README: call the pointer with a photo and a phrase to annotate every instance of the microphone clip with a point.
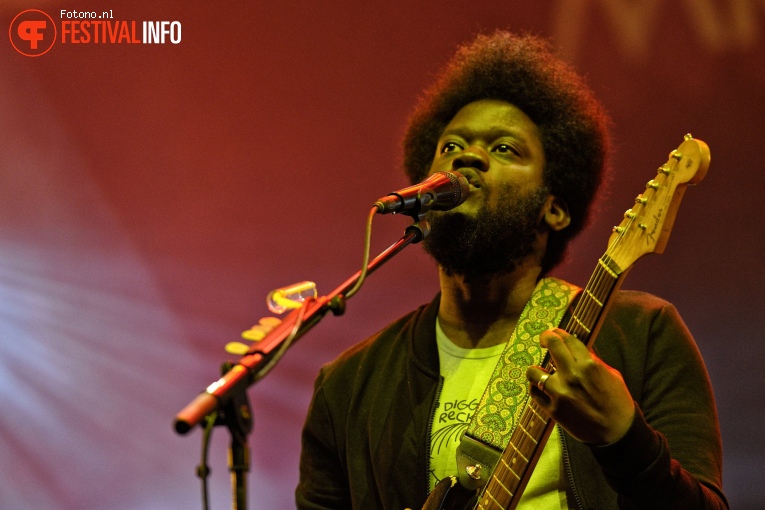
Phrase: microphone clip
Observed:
(414, 205)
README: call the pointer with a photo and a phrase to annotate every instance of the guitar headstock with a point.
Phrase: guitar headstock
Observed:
(647, 225)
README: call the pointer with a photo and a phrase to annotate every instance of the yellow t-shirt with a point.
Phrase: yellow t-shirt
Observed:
(466, 374)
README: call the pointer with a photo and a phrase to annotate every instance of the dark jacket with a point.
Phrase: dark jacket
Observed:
(366, 437)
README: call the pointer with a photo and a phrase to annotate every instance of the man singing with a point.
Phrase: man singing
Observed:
(636, 419)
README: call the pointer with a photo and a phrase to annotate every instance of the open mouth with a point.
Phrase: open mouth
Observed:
(472, 178)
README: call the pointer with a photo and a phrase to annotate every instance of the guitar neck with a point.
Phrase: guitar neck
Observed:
(592, 304)
(512, 473)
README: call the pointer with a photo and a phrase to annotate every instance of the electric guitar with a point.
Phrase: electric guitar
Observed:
(644, 229)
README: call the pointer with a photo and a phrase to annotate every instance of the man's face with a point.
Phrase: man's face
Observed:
(494, 144)
(497, 147)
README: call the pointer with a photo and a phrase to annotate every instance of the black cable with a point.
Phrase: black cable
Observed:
(299, 321)
(365, 261)
(203, 470)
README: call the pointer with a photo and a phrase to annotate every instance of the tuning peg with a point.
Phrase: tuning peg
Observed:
(653, 184)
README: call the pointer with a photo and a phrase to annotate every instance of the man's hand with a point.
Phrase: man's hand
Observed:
(584, 395)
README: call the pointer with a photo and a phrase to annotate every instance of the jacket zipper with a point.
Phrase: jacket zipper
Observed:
(429, 432)
(569, 473)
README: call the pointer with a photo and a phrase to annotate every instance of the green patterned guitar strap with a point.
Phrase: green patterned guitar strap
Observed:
(506, 395)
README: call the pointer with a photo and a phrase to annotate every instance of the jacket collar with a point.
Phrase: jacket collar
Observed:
(423, 349)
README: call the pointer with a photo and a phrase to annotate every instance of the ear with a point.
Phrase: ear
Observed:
(555, 213)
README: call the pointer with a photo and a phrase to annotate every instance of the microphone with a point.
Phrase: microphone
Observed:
(441, 191)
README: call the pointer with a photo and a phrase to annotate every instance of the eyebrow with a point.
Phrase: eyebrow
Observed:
(492, 133)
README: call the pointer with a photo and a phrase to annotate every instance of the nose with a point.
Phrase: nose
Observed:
(472, 157)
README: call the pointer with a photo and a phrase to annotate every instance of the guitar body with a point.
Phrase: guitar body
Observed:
(450, 495)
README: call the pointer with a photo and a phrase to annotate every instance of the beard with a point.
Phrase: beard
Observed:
(492, 241)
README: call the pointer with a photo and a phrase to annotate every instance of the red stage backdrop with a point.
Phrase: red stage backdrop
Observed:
(151, 194)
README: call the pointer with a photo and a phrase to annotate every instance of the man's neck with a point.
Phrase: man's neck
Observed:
(483, 312)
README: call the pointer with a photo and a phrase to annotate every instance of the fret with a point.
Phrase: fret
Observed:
(527, 433)
(519, 453)
(502, 485)
(592, 296)
(608, 269)
(600, 290)
(612, 267)
(588, 303)
(494, 500)
(581, 324)
(509, 468)
(533, 410)
(521, 443)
